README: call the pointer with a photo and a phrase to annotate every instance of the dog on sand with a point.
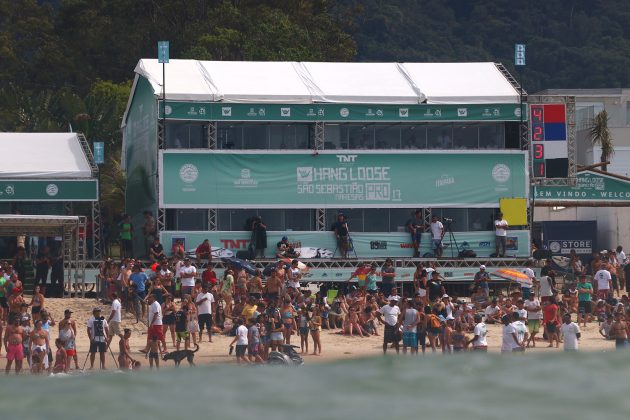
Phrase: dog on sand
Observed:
(178, 355)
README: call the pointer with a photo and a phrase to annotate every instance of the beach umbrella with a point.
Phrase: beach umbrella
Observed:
(239, 264)
(513, 275)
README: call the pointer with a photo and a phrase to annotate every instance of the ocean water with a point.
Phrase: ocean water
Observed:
(469, 386)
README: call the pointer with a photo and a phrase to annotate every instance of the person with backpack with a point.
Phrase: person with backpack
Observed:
(98, 331)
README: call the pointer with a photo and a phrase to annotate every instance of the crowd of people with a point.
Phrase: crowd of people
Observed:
(182, 305)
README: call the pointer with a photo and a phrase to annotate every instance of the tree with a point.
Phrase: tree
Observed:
(599, 134)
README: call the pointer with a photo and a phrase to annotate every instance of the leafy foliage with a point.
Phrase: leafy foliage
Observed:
(599, 134)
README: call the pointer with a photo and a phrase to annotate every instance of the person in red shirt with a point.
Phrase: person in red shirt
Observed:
(204, 252)
(209, 277)
(550, 318)
(178, 249)
(361, 274)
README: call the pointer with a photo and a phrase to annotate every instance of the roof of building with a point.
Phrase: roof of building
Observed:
(310, 82)
(581, 92)
(42, 155)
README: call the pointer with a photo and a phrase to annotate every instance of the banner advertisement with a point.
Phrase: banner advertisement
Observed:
(366, 244)
(247, 179)
(49, 190)
(590, 186)
(339, 112)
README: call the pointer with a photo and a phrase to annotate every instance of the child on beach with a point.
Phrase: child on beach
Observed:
(61, 364)
(315, 325)
(304, 321)
(154, 353)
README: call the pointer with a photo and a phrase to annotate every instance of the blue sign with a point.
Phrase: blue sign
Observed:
(519, 54)
(99, 152)
(163, 47)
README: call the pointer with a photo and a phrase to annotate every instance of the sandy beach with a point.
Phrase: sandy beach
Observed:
(334, 345)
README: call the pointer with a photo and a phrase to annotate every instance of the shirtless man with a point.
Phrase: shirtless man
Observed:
(619, 331)
(39, 345)
(16, 301)
(274, 285)
(13, 337)
(125, 361)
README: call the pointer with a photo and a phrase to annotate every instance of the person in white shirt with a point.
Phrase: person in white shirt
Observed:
(437, 232)
(97, 330)
(479, 341)
(389, 315)
(500, 234)
(187, 275)
(521, 331)
(509, 340)
(493, 312)
(604, 283)
(571, 333)
(204, 301)
(156, 329)
(534, 315)
(527, 288)
(115, 317)
(547, 286)
(241, 342)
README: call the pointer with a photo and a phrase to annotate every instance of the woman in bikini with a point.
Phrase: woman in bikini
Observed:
(39, 344)
(169, 309)
(315, 325)
(37, 303)
(255, 285)
(241, 284)
(288, 320)
(67, 337)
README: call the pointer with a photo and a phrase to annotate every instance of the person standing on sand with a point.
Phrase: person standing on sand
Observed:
(98, 331)
(13, 338)
(125, 361)
(479, 341)
(509, 342)
(68, 334)
(389, 315)
(619, 331)
(571, 333)
(114, 319)
(534, 314)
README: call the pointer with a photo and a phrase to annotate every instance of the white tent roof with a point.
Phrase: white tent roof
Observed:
(42, 155)
(307, 82)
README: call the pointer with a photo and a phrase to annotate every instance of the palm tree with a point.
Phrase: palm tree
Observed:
(600, 135)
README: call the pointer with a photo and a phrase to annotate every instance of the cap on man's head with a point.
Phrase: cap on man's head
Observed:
(445, 296)
(96, 310)
(394, 298)
(67, 312)
(284, 238)
(482, 267)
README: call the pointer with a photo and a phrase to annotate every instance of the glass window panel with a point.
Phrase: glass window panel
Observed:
(299, 219)
(255, 136)
(480, 219)
(376, 220)
(466, 136)
(302, 135)
(238, 218)
(282, 136)
(459, 219)
(414, 136)
(229, 136)
(273, 218)
(223, 219)
(353, 216)
(335, 137)
(440, 136)
(192, 219)
(360, 136)
(398, 219)
(492, 136)
(387, 136)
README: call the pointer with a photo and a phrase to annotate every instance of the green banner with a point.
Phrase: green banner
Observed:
(590, 186)
(339, 112)
(366, 244)
(48, 190)
(217, 179)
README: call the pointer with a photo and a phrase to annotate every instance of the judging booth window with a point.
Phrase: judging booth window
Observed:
(299, 219)
(187, 219)
(466, 136)
(186, 135)
(255, 136)
(376, 220)
(413, 136)
(229, 136)
(360, 136)
(354, 217)
(387, 136)
(481, 219)
(492, 136)
(289, 136)
(440, 136)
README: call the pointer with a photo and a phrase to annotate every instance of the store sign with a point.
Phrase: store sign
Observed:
(49, 190)
(339, 112)
(590, 186)
(366, 244)
(216, 179)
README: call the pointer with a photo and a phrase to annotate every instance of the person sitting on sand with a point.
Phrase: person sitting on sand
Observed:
(493, 313)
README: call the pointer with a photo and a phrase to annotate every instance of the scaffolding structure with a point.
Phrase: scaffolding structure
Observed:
(72, 231)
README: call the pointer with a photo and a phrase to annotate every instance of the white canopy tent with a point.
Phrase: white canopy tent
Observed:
(308, 82)
(43, 155)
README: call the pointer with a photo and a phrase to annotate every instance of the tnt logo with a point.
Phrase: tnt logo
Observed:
(347, 158)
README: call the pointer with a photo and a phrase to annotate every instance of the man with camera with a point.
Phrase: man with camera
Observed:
(415, 227)
(98, 331)
(437, 233)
